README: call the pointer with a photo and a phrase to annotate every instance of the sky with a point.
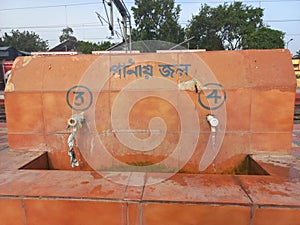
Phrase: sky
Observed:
(48, 18)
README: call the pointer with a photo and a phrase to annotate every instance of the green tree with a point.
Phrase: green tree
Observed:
(237, 20)
(264, 38)
(203, 27)
(24, 41)
(67, 34)
(157, 20)
(87, 47)
(297, 55)
(232, 26)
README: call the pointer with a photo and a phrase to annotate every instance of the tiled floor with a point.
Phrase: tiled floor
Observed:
(3, 136)
(296, 141)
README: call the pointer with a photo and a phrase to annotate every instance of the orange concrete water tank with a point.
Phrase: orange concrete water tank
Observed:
(150, 110)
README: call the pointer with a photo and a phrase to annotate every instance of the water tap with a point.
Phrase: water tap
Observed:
(213, 122)
(74, 123)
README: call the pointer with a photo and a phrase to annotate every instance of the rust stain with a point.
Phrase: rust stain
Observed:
(98, 190)
(84, 182)
(180, 180)
(96, 175)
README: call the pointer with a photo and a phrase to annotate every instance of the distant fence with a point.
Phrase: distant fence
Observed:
(297, 107)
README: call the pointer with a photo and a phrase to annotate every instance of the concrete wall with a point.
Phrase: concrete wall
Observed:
(122, 96)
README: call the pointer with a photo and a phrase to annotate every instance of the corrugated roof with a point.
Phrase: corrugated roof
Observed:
(67, 45)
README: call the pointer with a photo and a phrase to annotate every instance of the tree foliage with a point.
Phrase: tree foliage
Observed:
(264, 38)
(297, 55)
(157, 20)
(232, 26)
(24, 41)
(87, 47)
(67, 34)
(228, 26)
(203, 27)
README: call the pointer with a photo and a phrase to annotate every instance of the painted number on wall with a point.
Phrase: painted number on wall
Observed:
(212, 96)
(79, 98)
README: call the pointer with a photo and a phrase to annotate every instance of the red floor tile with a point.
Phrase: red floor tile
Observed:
(269, 190)
(12, 212)
(14, 183)
(75, 212)
(178, 214)
(196, 188)
(77, 184)
(276, 216)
